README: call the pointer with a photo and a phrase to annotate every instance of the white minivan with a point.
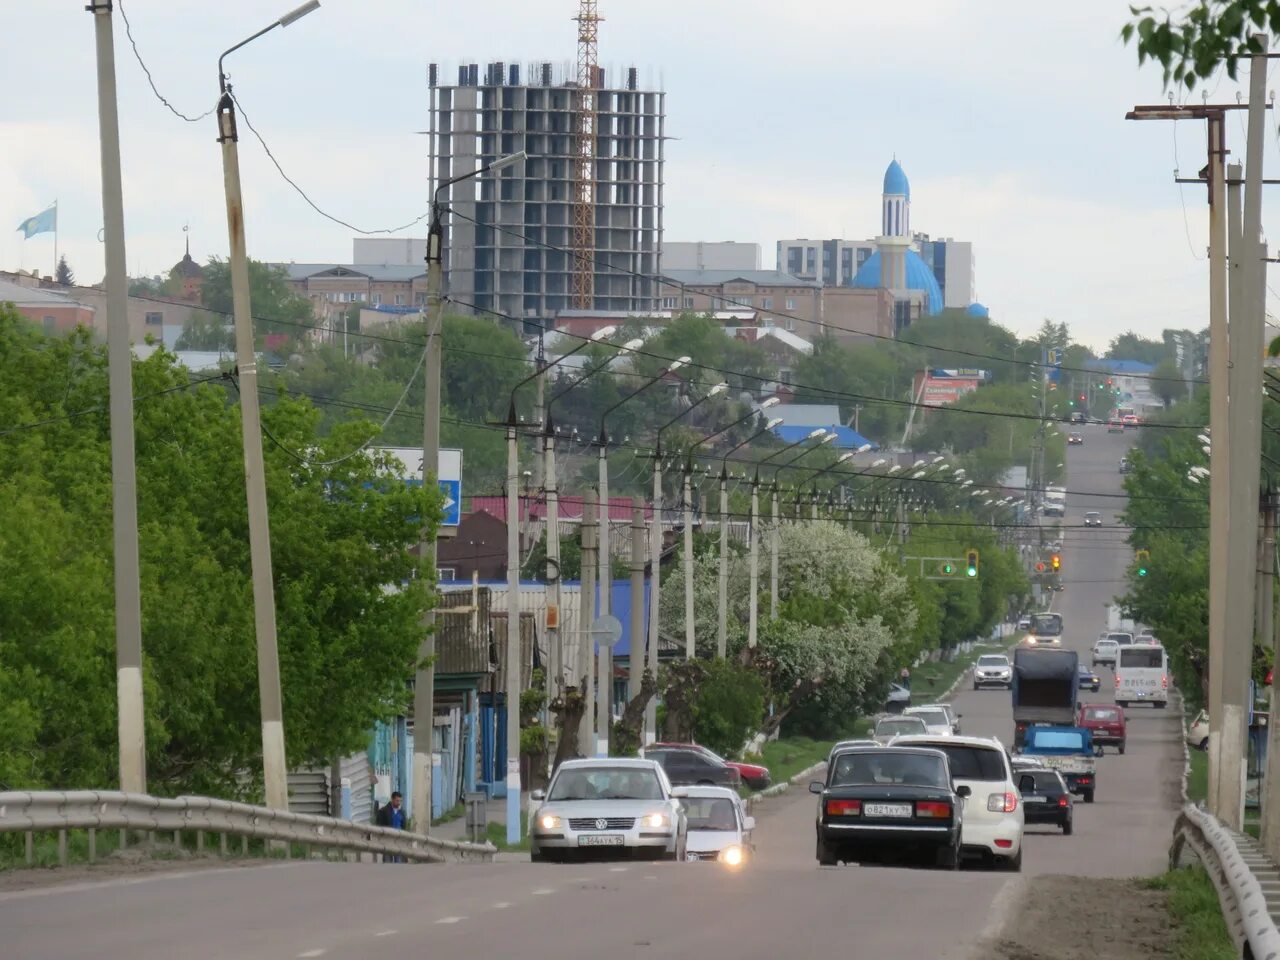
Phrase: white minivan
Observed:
(1142, 676)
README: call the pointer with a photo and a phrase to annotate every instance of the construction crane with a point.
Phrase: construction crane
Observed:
(584, 159)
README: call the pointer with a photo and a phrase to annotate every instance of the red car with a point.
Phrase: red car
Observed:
(1105, 722)
(753, 775)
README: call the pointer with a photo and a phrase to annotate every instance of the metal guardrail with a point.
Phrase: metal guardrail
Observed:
(92, 810)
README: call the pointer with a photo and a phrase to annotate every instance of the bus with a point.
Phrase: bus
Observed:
(1142, 675)
(1046, 630)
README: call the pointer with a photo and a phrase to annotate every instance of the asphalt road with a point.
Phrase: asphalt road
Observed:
(780, 905)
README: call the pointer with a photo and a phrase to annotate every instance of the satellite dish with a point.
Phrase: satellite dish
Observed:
(606, 631)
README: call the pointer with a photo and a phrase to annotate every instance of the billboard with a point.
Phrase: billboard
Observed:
(448, 476)
(942, 391)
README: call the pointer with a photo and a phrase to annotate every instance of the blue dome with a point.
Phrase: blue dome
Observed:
(919, 277)
(895, 181)
(977, 310)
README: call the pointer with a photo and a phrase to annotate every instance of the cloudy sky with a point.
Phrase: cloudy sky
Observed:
(1008, 117)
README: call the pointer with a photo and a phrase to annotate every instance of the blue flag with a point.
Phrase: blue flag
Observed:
(46, 222)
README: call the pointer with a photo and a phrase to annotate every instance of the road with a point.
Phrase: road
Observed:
(543, 912)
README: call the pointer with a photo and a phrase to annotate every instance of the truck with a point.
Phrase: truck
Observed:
(1070, 751)
(1045, 688)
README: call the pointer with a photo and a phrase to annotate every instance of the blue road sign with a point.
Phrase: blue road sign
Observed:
(452, 491)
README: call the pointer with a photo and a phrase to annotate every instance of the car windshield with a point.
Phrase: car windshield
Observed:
(710, 813)
(1093, 514)
(932, 718)
(1047, 624)
(1102, 713)
(993, 660)
(973, 763)
(1045, 781)
(1051, 739)
(888, 767)
(898, 726)
(606, 783)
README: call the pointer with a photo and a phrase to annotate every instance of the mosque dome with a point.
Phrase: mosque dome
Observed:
(977, 310)
(919, 276)
(895, 181)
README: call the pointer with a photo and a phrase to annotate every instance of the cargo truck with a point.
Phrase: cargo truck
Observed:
(1045, 689)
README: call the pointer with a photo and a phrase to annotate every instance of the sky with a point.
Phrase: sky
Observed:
(1007, 116)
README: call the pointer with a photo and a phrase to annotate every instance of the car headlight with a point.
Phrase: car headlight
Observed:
(733, 855)
(656, 820)
(548, 821)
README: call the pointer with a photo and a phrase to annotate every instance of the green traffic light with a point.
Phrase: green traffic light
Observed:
(972, 571)
(947, 569)
(1142, 571)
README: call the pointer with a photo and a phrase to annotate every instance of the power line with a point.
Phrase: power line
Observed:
(128, 29)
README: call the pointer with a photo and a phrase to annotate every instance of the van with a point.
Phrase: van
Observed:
(1142, 676)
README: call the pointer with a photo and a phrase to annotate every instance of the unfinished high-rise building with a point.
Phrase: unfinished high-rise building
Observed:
(509, 238)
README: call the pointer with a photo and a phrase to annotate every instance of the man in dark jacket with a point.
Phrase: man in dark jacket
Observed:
(392, 815)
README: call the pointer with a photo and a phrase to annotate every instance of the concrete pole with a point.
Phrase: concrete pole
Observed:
(274, 766)
(753, 534)
(604, 576)
(1219, 459)
(131, 728)
(722, 593)
(690, 640)
(655, 581)
(1270, 794)
(637, 601)
(773, 556)
(424, 681)
(514, 658)
(586, 652)
(555, 638)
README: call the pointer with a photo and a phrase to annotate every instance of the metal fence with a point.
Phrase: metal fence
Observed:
(58, 811)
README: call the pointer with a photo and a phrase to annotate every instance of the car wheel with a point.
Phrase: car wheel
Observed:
(948, 858)
(975, 686)
(1160, 704)
(1014, 865)
(825, 857)
(1066, 827)
(1122, 704)
(1121, 748)
(1088, 796)
(1204, 744)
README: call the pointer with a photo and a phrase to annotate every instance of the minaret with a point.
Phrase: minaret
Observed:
(895, 228)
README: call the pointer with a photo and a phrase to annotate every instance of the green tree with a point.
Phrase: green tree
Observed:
(1209, 34)
(275, 306)
(203, 331)
(1131, 346)
(729, 706)
(63, 274)
(1167, 382)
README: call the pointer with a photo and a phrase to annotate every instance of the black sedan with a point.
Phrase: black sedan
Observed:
(883, 804)
(1088, 680)
(1046, 799)
(685, 767)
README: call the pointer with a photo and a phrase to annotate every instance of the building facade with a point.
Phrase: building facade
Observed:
(705, 255)
(509, 238)
(782, 300)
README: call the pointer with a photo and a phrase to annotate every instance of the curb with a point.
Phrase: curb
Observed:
(780, 788)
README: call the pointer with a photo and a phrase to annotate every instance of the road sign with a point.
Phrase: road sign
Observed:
(448, 476)
(606, 630)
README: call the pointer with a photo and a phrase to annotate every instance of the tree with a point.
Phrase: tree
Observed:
(275, 306)
(204, 332)
(1209, 35)
(1130, 346)
(1167, 382)
(63, 273)
(349, 598)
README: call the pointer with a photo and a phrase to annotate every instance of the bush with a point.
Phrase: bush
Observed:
(729, 706)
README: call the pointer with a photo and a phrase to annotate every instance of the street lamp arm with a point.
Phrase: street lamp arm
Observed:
(673, 366)
(296, 14)
(594, 338)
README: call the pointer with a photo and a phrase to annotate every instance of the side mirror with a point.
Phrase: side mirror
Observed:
(816, 786)
(538, 795)
(963, 791)
(749, 824)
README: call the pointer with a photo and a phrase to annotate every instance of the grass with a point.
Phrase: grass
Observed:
(452, 813)
(497, 835)
(787, 756)
(1198, 779)
(1199, 932)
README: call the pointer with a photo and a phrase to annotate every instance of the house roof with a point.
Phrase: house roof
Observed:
(807, 414)
(846, 437)
(21, 296)
(715, 278)
(377, 272)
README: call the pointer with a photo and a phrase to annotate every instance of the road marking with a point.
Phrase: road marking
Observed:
(543, 891)
(450, 919)
(311, 953)
(617, 869)
(386, 933)
(501, 905)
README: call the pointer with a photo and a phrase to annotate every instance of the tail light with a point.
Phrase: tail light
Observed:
(1164, 681)
(1085, 780)
(844, 808)
(1117, 681)
(933, 808)
(1062, 800)
(1002, 802)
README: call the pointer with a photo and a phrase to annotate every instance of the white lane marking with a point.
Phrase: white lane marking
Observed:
(60, 888)
(501, 905)
(650, 877)
(386, 933)
(543, 891)
(311, 953)
(450, 919)
(617, 869)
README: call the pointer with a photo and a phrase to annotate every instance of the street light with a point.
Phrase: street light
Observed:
(605, 573)
(274, 766)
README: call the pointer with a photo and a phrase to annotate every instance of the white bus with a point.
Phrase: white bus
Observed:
(1142, 675)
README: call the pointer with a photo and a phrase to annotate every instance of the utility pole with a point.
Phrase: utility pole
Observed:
(539, 403)
(1269, 634)
(637, 651)
(655, 581)
(690, 641)
(586, 642)
(722, 595)
(753, 534)
(513, 664)
(555, 638)
(131, 726)
(773, 553)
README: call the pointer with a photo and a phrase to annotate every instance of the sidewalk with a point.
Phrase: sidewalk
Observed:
(496, 811)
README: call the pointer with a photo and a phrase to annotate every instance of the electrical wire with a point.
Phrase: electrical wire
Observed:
(128, 29)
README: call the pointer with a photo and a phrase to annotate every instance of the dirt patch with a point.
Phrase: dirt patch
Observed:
(1078, 918)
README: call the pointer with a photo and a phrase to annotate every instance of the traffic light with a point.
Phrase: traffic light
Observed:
(1056, 562)
(947, 568)
(1082, 398)
(971, 563)
(1142, 558)
(1040, 567)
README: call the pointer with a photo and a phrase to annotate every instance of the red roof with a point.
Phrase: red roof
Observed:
(570, 507)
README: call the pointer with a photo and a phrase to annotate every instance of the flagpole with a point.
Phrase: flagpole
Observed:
(55, 239)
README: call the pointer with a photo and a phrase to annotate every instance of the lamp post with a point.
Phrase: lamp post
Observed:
(605, 574)
(655, 561)
(425, 678)
(274, 767)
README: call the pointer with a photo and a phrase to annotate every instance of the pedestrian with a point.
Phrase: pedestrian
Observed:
(905, 678)
(392, 815)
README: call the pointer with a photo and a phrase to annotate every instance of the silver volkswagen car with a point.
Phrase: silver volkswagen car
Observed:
(607, 808)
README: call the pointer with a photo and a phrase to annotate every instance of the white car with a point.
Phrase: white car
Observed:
(993, 670)
(937, 722)
(952, 713)
(1104, 652)
(887, 728)
(1198, 731)
(718, 825)
(617, 806)
(993, 815)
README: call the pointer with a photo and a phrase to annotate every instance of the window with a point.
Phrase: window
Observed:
(614, 783)
(791, 303)
(50, 324)
(710, 813)
(377, 299)
(688, 302)
(790, 325)
(784, 375)
(971, 763)
(766, 303)
(1142, 658)
(399, 299)
(668, 303)
(888, 767)
(419, 299)
(155, 319)
(446, 573)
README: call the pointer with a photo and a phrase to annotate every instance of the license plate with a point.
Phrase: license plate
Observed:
(1034, 800)
(887, 809)
(601, 840)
